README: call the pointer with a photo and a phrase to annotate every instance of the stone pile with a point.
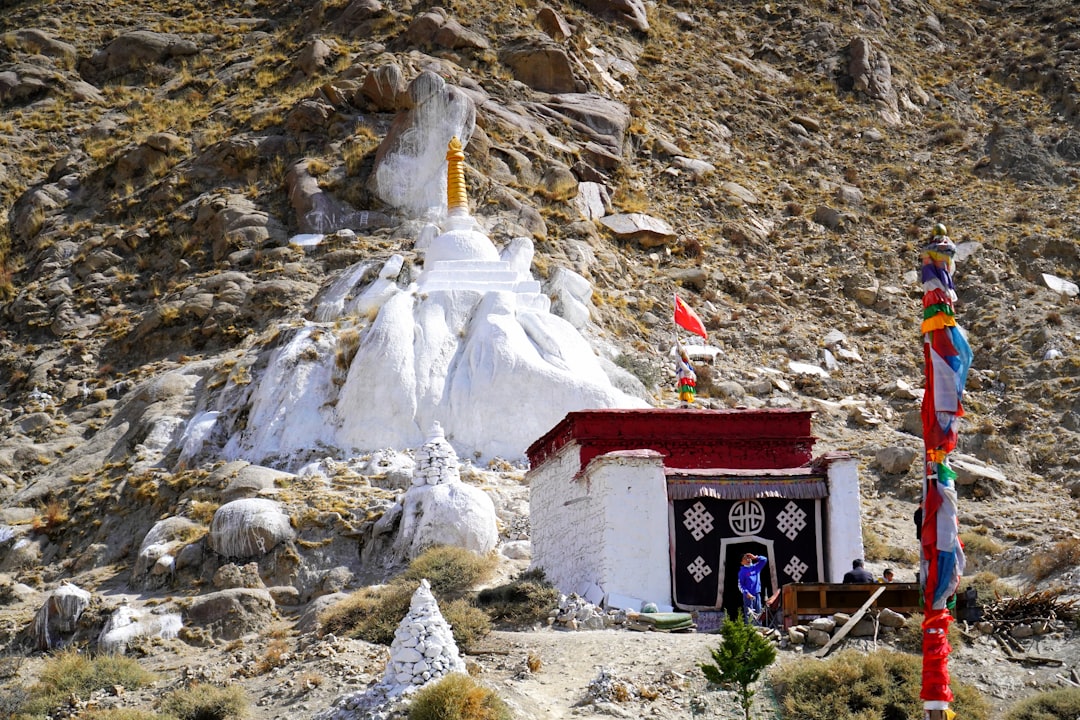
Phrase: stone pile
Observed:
(819, 631)
(423, 650)
(576, 613)
(436, 461)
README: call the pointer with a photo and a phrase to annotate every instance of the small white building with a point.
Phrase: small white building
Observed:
(659, 505)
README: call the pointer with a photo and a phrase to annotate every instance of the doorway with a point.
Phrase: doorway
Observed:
(732, 557)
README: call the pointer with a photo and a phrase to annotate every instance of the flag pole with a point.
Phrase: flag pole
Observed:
(947, 359)
(685, 377)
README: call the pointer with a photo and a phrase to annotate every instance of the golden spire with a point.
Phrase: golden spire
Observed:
(456, 197)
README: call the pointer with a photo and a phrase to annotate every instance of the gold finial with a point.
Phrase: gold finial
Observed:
(456, 197)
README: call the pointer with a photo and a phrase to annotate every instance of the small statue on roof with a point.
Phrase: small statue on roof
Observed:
(685, 379)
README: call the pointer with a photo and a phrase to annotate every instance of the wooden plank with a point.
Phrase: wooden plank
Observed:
(842, 633)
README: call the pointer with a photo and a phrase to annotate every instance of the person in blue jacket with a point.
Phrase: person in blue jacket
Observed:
(750, 585)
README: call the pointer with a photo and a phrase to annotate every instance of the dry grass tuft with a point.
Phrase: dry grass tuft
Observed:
(458, 697)
(1064, 555)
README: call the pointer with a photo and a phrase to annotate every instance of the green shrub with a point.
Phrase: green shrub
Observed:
(450, 570)
(207, 702)
(739, 661)
(854, 686)
(525, 600)
(71, 673)
(458, 697)
(1053, 705)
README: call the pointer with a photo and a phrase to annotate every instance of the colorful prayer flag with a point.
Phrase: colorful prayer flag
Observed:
(687, 319)
(947, 359)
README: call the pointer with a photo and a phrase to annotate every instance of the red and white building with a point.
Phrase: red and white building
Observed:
(659, 505)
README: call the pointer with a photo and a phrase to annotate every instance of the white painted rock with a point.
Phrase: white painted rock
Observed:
(248, 528)
(58, 616)
(423, 648)
(166, 537)
(127, 624)
(410, 164)
(453, 514)
(1061, 285)
(633, 224)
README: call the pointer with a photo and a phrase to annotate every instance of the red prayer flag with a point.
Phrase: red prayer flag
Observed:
(688, 319)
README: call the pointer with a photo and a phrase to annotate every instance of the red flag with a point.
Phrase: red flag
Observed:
(688, 319)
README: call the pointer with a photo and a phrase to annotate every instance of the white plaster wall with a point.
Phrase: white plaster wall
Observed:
(634, 557)
(844, 542)
(566, 522)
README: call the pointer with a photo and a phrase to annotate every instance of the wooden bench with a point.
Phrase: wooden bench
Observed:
(805, 600)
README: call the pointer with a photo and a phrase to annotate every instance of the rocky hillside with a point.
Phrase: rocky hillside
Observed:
(156, 159)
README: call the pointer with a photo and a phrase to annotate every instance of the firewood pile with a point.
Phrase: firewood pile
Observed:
(1038, 606)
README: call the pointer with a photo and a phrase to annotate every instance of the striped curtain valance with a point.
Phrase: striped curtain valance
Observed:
(748, 488)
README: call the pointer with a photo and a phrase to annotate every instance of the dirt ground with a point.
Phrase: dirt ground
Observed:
(289, 676)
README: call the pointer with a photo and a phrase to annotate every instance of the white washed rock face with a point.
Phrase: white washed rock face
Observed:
(58, 616)
(162, 542)
(439, 509)
(423, 648)
(470, 338)
(250, 527)
(410, 165)
(128, 624)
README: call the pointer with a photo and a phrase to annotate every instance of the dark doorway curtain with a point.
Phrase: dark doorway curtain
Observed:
(709, 535)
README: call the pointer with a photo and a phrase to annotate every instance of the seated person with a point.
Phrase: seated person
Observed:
(857, 573)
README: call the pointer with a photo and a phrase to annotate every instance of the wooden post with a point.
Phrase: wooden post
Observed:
(842, 633)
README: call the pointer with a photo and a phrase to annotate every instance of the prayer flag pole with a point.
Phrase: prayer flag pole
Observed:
(947, 359)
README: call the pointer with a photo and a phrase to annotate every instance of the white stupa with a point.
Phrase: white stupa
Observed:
(463, 258)
(471, 346)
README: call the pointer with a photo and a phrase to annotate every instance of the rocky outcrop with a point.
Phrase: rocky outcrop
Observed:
(542, 65)
(229, 614)
(409, 173)
(871, 73)
(628, 12)
(139, 49)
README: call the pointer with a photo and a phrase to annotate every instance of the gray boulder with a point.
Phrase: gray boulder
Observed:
(231, 614)
(895, 460)
(141, 48)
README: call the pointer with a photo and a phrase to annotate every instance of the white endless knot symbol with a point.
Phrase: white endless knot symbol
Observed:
(698, 521)
(796, 568)
(791, 521)
(746, 517)
(699, 569)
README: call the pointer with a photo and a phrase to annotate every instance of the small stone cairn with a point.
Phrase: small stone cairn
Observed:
(576, 613)
(423, 650)
(436, 461)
